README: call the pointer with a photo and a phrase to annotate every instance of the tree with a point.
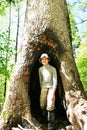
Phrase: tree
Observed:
(77, 11)
(6, 41)
(6, 9)
(9, 28)
(47, 29)
(18, 22)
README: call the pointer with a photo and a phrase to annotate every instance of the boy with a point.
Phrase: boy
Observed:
(48, 83)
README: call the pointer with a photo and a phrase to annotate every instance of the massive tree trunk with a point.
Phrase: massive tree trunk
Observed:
(46, 29)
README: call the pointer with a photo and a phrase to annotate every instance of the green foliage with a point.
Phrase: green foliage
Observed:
(9, 1)
(7, 46)
(1, 90)
(74, 29)
(7, 52)
(77, 11)
(5, 115)
(3, 6)
(82, 64)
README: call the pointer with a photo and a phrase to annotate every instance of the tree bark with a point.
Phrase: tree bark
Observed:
(47, 29)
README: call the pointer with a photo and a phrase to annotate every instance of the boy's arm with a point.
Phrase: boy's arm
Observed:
(40, 77)
(54, 79)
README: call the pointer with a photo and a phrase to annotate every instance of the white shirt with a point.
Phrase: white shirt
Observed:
(48, 76)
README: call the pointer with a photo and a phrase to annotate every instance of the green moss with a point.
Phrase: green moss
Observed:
(5, 115)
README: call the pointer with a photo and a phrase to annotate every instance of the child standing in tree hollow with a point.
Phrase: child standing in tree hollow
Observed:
(48, 84)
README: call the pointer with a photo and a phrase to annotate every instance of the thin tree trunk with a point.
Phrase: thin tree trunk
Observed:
(18, 22)
(9, 29)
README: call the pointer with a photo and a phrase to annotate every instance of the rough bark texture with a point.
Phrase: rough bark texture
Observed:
(47, 29)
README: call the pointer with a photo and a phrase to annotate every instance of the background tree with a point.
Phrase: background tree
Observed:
(78, 20)
(17, 34)
(8, 12)
(5, 58)
(9, 31)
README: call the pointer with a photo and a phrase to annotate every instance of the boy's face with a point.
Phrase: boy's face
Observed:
(44, 60)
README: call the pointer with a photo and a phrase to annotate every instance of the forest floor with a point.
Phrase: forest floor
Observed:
(60, 124)
(35, 125)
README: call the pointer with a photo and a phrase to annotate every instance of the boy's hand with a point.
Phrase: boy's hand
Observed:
(52, 94)
(53, 97)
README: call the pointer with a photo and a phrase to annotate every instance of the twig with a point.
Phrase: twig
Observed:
(21, 128)
(31, 123)
(14, 128)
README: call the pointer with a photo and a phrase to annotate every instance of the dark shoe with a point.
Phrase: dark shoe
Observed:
(44, 113)
(51, 129)
(43, 118)
(51, 126)
(51, 116)
(51, 119)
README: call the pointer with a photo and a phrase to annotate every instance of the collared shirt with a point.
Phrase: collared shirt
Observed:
(48, 76)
